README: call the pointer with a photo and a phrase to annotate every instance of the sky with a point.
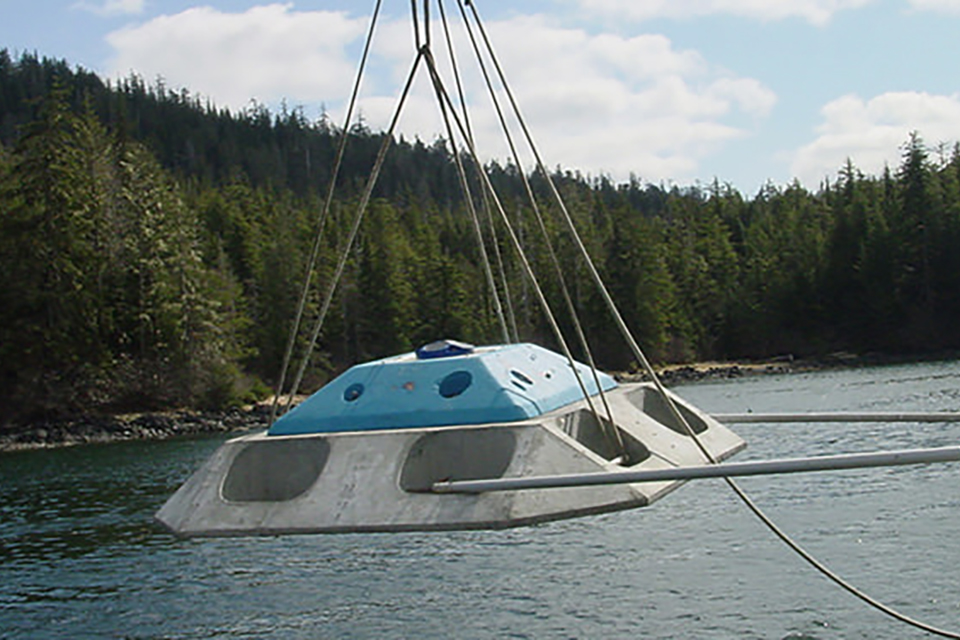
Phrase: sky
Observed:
(673, 92)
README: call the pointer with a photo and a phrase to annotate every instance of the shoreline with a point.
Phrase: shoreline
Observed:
(164, 425)
(787, 364)
(106, 429)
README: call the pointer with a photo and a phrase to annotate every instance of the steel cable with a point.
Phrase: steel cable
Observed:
(475, 218)
(610, 431)
(361, 209)
(321, 222)
(638, 353)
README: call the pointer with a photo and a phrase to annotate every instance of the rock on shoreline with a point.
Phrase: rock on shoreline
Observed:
(679, 374)
(161, 426)
(102, 429)
(146, 426)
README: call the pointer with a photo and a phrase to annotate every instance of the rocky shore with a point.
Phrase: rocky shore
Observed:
(710, 371)
(146, 426)
(161, 426)
(679, 374)
(100, 429)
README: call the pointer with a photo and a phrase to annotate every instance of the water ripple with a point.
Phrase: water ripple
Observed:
(81, 557)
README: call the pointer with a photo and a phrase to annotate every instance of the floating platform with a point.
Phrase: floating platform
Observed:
(363, 453)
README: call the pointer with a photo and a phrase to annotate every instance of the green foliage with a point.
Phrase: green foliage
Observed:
(152, 251)
(105, 298)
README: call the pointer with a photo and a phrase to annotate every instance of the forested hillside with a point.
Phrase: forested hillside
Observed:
(152, 248)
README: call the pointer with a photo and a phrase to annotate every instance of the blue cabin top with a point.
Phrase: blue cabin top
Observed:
(443, 383)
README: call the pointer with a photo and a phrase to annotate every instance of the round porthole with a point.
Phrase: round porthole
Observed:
(353, 392)
(455, 383)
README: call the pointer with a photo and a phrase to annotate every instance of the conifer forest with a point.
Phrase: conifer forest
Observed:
(153, 249)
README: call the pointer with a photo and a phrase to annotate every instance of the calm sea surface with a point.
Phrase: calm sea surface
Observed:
(80, 556)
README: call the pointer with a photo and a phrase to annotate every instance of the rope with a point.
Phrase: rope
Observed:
(610, 431)
(488, 272)
(361, 209)
(514, 335)
(426, 23)
(416, 24)
(830, 574)
(638, 353)
(528, 269)
(321, 222)
(424, 53)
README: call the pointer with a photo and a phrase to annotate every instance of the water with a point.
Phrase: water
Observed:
(81, 557)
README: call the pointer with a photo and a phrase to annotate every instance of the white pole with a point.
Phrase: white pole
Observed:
(759, 467)
(744, 418)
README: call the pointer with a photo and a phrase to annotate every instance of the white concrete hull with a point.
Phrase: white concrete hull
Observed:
(379, 480)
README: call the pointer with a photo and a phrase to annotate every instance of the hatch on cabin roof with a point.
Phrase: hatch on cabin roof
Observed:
(443, 383)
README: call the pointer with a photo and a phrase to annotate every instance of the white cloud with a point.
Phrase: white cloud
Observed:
(870, 133)
(945, 6)
(623, 104)
(265, 53)
(598, 103)
(113, 7)
(750, 94)
(817, 12)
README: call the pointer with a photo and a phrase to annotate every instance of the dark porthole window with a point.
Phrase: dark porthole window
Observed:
(455, 383)
(353, 392)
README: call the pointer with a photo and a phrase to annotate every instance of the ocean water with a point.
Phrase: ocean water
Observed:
(80, 556)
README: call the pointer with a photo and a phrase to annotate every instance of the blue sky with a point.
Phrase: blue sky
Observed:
(673, 91)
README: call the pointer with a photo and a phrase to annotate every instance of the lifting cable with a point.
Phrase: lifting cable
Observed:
(608, 428)
(424, 54)
(638, 353)
(321, 223)
(445, 104)
(361, 210)
(514, 335)
(444, 97)
(475, 218)
(465, 187)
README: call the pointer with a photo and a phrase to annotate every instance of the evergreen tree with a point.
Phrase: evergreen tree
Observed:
(639, 280)
(704, 267)
(152, 250)
(916, 225)
(48, 255)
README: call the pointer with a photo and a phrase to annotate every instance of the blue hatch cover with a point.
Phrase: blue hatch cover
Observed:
(444, 349)
(495, 384)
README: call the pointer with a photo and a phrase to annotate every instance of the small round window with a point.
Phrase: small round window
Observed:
(455, 384)
(353, 392)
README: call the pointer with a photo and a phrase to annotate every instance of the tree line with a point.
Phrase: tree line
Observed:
(152, 248)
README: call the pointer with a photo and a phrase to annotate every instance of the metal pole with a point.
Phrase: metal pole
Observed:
(745, 418)
(759, 467)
